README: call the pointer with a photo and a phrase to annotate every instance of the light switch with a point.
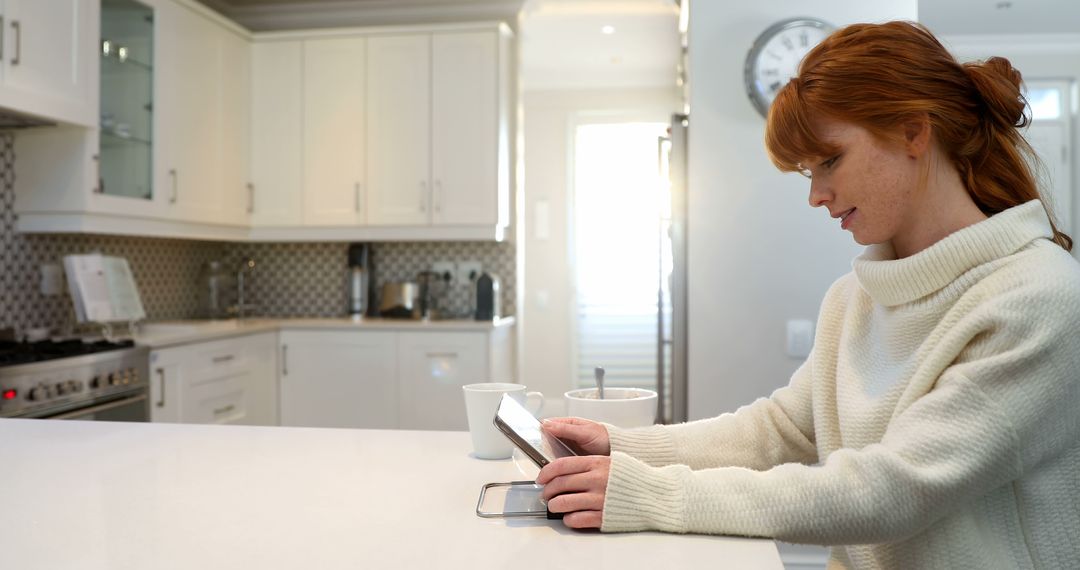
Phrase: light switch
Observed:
(800, 338)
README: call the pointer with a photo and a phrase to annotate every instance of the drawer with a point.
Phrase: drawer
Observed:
(219, 399)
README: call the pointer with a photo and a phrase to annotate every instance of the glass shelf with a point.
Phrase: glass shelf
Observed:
(109, 139)
(112, 64)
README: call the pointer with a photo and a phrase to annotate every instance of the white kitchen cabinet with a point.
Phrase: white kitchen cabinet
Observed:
(438, 126)
(234, 77)
(469, 129)
(344, 379)
(399, 128)
(334, 131)
(189, 114)
(231, 381)
(277, 133)
(434, 367)
(48, 48)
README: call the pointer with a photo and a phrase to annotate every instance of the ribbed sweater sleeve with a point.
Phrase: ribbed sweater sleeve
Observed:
(768, 432)
(947, 448)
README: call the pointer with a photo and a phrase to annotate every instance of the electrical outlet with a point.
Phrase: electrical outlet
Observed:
(52, 279)
(469, 271)
(447, 270)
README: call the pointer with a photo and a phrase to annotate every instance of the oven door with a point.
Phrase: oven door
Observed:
(132, 408)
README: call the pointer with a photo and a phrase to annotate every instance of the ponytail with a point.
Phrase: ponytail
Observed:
(879, 75)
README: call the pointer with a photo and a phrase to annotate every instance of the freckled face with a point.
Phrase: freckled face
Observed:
(869, 186)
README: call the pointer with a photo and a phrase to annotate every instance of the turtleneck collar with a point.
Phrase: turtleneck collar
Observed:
(890, 281)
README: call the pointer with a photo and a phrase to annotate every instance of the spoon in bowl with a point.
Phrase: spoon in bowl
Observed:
(599, 372)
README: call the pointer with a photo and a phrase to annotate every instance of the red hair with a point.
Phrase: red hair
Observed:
(878, 76)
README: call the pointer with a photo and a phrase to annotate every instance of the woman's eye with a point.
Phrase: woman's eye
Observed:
(829, 163)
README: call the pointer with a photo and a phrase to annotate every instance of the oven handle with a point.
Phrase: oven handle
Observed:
(100, 408)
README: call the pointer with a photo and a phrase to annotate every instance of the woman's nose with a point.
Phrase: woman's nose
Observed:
(818, 194)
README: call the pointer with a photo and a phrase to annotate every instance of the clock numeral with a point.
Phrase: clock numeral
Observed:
(775, 86)
(787, 43)
(771, 72)
(804, 40)
(774, 56)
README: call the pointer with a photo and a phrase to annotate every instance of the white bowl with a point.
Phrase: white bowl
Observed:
(622, 407)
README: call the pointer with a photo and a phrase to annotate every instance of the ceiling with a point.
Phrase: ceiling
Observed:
(991, 17)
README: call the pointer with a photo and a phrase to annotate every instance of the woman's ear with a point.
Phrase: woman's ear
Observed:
(917, 135)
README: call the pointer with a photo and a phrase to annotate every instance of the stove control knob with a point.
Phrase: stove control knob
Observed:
(113, 380)
(77, 385)
(61, 389)
(95, 382)
(38, 393)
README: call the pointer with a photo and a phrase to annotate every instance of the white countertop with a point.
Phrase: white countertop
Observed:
(100, 495)
(162, 334)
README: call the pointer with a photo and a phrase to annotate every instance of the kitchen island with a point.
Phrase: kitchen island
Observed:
(101, 495)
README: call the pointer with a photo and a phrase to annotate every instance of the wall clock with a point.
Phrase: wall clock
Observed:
(774, 58)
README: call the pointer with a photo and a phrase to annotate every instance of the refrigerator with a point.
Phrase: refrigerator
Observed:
(671, 332)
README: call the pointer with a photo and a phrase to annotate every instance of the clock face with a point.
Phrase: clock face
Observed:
(775, 56)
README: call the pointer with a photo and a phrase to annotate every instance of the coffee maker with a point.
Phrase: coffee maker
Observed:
(359, 279)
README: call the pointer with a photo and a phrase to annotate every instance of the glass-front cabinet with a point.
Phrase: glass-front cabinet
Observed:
(127, 93)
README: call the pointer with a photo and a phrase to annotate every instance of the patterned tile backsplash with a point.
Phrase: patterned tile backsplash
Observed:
(289, 279)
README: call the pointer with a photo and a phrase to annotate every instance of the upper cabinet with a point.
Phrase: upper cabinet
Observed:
(206, 131)
(47, 71)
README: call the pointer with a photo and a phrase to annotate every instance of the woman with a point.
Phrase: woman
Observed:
(936, 423)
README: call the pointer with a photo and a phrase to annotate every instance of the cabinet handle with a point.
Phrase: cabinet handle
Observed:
(224, 410)
(1, 38)
(161, 376)
(356, 197)
(18, 42)
(251, 198)
(284, 360)
(222, 359)
(175, 185)
(99, 186)
(438, 196)
(423, 196)
(442, 355)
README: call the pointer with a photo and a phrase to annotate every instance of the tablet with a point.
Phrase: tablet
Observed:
(524, 430)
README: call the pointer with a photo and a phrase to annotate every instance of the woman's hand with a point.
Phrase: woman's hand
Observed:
(577, 486)
(585, 436)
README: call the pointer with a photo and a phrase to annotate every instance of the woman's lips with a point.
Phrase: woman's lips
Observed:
(845, 218)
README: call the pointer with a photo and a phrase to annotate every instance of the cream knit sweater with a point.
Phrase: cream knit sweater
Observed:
(936, 423)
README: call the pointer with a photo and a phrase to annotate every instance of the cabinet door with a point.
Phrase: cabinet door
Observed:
(433, 367)
(340, 379)
(166, 380)
(465, 128)
(276, 115)
(399, 129)
(48, 49)
(261, 363)
(189, 114)
(235, 127)
(334, 131)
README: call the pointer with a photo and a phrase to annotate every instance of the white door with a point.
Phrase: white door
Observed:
(188, 110)
(334, 131)
(1050, 134)
(432, 369)
(48, 47)
(399, 129)
(465, 128)
(276, 133)
(338, 378)
(235, 127)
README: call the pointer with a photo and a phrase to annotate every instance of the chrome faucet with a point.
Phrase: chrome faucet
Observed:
(245, 268)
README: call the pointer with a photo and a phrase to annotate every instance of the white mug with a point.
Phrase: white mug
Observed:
(622, 407)
(481, 402)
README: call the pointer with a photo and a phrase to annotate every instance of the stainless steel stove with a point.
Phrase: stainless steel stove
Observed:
(74, 379)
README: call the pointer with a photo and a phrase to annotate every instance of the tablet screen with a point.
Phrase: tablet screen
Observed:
(527, 427)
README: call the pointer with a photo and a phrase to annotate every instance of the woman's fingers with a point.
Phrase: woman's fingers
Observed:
(584, 519)
(576, 483)
(573, 502)
(566, 466)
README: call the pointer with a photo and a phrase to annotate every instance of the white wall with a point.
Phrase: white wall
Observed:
(547, 304)
(1037, 57)
(758, 254)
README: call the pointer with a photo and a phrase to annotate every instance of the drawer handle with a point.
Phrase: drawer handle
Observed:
(442, 355)
(222, 359)
(161, 375)
(15, 25)
(284, 360)
(224, 410)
